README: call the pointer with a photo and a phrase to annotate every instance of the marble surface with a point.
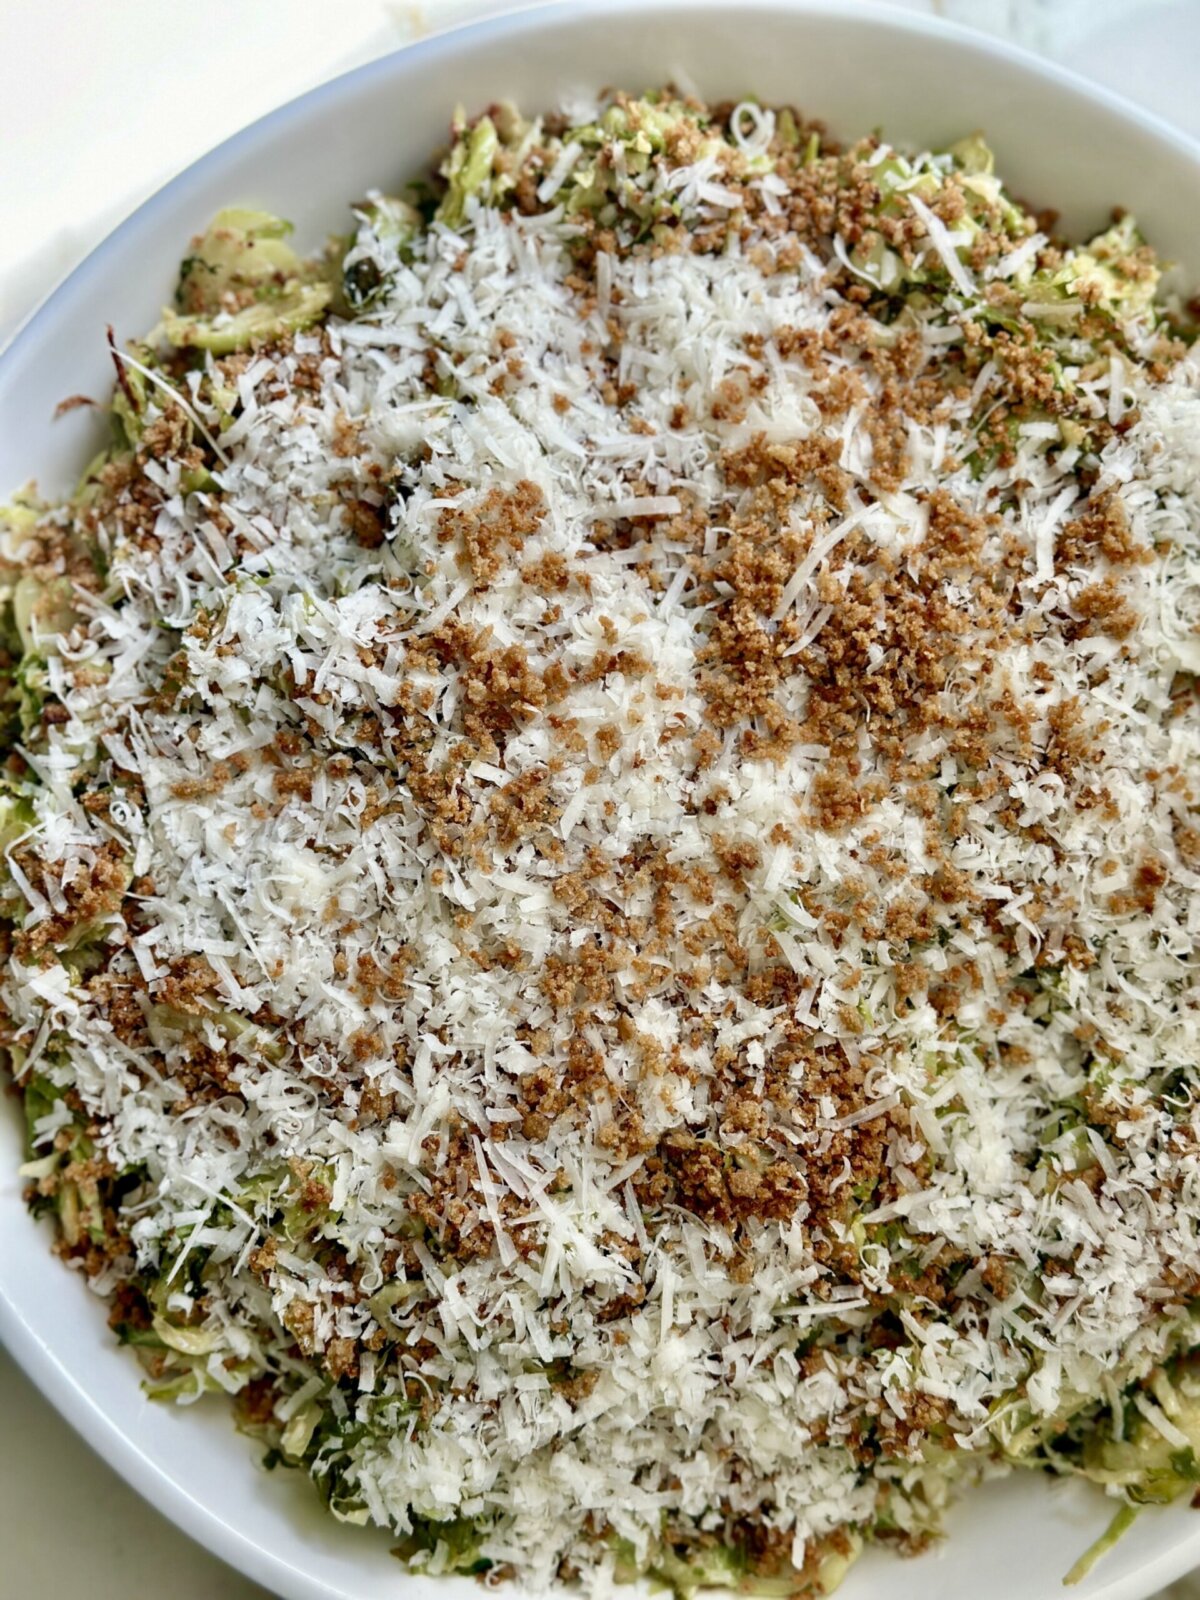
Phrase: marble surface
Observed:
(109, 101)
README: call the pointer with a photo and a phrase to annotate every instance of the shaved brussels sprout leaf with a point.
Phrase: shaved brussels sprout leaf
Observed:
(243, 284)
(297, 306)
(973, 154)
(43, 610)
(1147, 1466)
(20, 516)
(241, 249)
(449, 1546)
(1111, 273)
(468, 169)
(40, 1096)
(1116, 1530)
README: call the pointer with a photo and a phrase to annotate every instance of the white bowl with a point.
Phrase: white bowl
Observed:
(1059, 141)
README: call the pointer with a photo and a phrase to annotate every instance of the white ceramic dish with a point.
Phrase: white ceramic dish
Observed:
(1060, 141)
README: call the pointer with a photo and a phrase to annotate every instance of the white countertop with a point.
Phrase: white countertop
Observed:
(109, 101)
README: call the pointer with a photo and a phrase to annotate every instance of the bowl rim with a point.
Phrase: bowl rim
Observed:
(34, 1355)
